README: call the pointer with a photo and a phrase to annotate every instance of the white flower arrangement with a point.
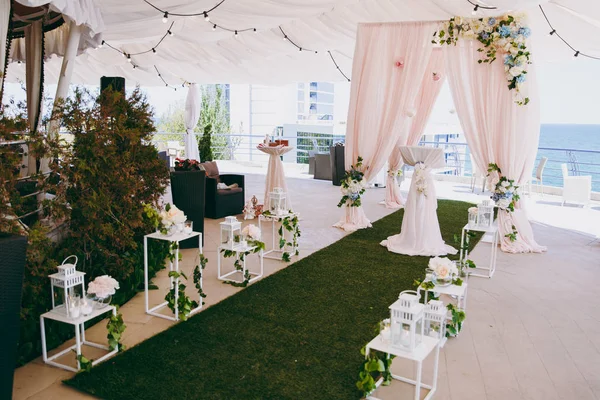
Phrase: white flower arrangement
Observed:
(443, 267)
(473, 210)
(172, 215)
(392, 173)
(420, 181)
(352, 185)
(103, 286)
(506, 34)
(252, 232)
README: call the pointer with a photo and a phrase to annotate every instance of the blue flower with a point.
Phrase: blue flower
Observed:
(504, 31)
(509, 60)
(492, 21)
(514, 34)
(354, 196)
(521, 78)
(526, 32)
(484, 35)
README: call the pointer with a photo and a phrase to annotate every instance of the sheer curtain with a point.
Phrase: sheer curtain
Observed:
(389, 63)
(497, 129)
(193, 104)
(430, 89)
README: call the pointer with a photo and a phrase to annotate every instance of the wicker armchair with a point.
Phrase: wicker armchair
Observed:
(223, 202)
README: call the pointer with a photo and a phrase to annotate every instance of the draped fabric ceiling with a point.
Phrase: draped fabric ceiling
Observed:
(197, 54)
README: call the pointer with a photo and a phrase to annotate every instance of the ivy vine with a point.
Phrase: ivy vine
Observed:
(375, 366)
(85, 364)
(238, 263)
(289, 223)
(115, 327)
(454, 327)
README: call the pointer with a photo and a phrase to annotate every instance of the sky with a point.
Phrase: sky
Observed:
(569, 93)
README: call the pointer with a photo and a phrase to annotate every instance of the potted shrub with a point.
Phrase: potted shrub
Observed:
(12, 264)
(188, 181)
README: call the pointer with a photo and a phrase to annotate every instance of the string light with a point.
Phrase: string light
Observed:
(300, 48)
(337, 66)
(553, 32)
(166, 13)
(152, 49)
(477, 6)
(165, 17)
(214, 28)
(128, 58)
(170, 33)
(101, 45)
(163, 79)
(235, 33)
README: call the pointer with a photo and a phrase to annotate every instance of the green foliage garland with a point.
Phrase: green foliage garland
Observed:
(238, 263)
(375, 366)
(115, 327)
(458, 317)
(85, 364)
(289, 223)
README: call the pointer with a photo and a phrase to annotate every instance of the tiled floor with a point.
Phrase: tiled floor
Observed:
(532, 331)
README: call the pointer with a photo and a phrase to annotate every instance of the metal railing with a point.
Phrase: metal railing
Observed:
(243, 147)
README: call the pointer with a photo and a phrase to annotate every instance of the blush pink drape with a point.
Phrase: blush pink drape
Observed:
(497, 129)
(430, 89)
(420, 234)
(275, 173)
(389, 64)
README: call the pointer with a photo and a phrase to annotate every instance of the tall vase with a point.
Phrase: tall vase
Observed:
(189, 191)
(12, 265)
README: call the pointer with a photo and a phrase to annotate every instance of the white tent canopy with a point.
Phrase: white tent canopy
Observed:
(196, 53)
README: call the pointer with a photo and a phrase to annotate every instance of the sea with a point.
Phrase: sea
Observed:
(576, 145)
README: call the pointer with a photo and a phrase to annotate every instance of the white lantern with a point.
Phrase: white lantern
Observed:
(64, 286)
(485, 214)
(231, 233)
(407, 321)
(435, 319)
(277, 201)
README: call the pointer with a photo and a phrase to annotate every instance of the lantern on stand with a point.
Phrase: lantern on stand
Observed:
(407, 321)
(277, 202)
(231, 233)
(485, 214)
(435, 319)
(64, 286)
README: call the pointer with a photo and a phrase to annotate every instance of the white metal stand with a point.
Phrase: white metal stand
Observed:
(420, 353)
(177, 237)
(464, 254)
(79, 324)
(457, 292)
(275, 252)
(229, 276)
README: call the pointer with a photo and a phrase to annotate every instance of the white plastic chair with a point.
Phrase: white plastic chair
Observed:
(538, 179)
(576, 189)
(475, 174)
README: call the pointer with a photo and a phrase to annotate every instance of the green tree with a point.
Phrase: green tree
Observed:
(205, 144)
(172, 121)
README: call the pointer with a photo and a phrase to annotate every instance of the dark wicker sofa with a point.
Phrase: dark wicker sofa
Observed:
(223, 202)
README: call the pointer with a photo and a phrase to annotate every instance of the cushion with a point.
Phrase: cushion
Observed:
(227, 192)
(212, 170)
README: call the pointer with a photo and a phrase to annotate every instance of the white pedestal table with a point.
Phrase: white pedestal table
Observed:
(275, 173)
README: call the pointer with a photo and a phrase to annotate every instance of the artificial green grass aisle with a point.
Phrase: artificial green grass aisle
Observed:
(294, 335)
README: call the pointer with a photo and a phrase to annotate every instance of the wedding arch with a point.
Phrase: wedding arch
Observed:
(397, 73)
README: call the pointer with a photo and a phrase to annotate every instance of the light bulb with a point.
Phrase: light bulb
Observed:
(101, 45)
(128, 58)
(255, 31)
(576, 55)
(299, 48)
(236, 34)
(206, 17)
(170, 33)
(165, 17)
(154, 50)
(552, 32)
(474, 12)
(284, 38)
(214, 28)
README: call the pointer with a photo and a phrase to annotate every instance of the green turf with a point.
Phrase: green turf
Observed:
(293, 335)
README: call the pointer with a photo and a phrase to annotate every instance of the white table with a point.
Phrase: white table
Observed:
(275, 173)
(229, 276)
(457, 292)
(274, 220)
(177, 237)
(59, 315)
(420, 353)
(464, 254)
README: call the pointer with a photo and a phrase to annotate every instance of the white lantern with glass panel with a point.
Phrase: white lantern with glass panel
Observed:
(67, 287)
(485, 214)
(407, 321)
(231, 233)
(277, 202)
(435, 320)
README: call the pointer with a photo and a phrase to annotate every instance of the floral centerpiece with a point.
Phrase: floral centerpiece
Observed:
(506, 34)
(420, 181)
(352, 185)
(443, 270)
(251, 234)
(393, 173)
(187, 165)
(103, 287)
(504, 194)
(171, 217)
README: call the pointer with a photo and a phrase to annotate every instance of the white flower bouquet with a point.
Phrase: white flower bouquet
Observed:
(171, 216)
(103, 286)
(443, 270)
(251, 232)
